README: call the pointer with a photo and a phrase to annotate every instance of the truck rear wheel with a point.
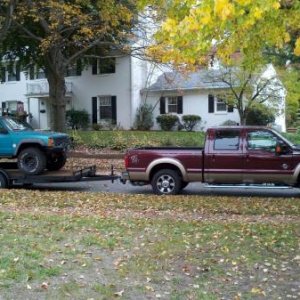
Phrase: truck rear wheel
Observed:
(31, 161)
(166, 182)
(57, 162)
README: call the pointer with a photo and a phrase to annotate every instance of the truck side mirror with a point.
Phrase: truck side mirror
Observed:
(280, 148)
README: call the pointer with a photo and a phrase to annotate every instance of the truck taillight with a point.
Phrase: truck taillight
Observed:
(126, 161)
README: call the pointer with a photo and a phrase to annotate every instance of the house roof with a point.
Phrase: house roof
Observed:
(203, 79)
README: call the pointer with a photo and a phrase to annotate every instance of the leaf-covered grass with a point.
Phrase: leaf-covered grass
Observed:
(58, 245)
(89, 203)
(121, 140)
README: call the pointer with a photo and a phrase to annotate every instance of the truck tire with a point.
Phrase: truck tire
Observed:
(31, 161)
(3, 182)
(166, 182)
(57, 162)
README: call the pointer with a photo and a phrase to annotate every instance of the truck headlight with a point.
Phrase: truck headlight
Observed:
(50, 142)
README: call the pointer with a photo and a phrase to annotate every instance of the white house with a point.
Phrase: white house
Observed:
(105, 89)
(193, 93)
(113, 88)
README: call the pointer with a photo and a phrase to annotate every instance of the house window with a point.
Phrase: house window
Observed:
(74, 69)
(13, 73)
(104, 66)
(220, 105)
(107, 65)
(40, 74)
(216, 104)
(171, 104)
(105, 108)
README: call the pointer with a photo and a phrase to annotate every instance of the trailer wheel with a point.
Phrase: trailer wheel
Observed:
(32, 161)
(57, 162)
(3, 181)
(166, 182)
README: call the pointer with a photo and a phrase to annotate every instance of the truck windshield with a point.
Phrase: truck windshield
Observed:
(14, 124)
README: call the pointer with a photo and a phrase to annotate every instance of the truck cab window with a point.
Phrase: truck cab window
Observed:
(226, 140)
(261, 140)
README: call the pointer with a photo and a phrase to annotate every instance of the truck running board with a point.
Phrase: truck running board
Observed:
(248, 186)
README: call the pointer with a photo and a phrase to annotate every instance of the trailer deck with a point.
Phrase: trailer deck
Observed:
(13, 176)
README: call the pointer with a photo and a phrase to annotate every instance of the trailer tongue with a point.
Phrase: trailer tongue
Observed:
(10, 175)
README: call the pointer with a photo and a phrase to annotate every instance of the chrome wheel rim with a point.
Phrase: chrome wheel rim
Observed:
(165, 184)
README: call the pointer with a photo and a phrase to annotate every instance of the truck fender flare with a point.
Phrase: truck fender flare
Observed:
(170, 161)
(29, 141)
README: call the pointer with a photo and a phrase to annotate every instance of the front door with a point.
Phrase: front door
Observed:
(223, 161)
(262, 164)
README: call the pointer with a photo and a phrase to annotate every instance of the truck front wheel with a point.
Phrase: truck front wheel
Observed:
(166, 182)
(32, 161)
(56, 162)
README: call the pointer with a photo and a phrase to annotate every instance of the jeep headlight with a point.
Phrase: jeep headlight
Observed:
(50, 142)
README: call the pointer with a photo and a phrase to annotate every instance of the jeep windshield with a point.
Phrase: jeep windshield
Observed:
(15, 125)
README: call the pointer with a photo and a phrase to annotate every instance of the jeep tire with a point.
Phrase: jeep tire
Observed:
(31, 161)
(56, 162)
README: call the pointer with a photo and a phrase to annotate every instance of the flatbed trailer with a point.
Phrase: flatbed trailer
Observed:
(10, 175)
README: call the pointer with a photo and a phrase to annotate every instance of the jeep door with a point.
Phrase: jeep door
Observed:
(5, 142)
(262, 163)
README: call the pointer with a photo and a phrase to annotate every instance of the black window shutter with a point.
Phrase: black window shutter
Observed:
(230, 108)
(31, 72)
(94, 110)
(179, 105)
(18, 72)
(94, 66)
(162, 105)
(78, 67)
(3, 106)
(3, 73)
(211, 104)
(114, 109)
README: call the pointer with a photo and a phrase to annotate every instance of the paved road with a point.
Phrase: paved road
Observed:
(192, 189)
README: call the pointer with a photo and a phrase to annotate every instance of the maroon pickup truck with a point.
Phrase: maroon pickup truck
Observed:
(231, 155)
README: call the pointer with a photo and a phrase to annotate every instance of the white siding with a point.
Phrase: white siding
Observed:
(195, 103)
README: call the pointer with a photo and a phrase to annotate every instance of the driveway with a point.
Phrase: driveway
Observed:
(192, 189)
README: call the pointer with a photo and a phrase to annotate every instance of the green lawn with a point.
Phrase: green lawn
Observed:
(70, 245)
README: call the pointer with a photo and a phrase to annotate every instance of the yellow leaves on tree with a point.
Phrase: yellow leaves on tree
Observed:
(197, 28)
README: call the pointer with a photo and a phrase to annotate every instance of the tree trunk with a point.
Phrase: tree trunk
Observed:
(55, 73)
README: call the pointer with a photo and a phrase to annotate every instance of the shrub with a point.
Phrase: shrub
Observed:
(96, 126)
(259, 114)
(190, 121)
(144, 117)
(229, 123)
(77, 119)
(167, 122)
